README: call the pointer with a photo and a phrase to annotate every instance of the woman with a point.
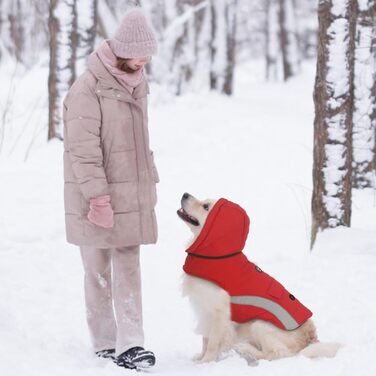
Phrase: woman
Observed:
(110, 191)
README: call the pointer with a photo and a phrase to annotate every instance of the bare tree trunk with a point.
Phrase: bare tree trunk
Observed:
(86, 26)
(373, 91)
(190, 40)
(53, 108)
(223, 28)
(287, 69)
(231, 11)
(213, 47)
(72, 47)
(182, 58)
(198, 26)
(63, 52)
(288, 39)
(333, 97)
(364, 99)
(179, 44)
(272, 52)
(16, 29)
(23, 29)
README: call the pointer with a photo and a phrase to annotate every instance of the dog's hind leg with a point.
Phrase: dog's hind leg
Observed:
(248, 351)
(276, 350)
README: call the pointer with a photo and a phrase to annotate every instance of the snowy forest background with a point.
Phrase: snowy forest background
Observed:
(271, 103)
(201, 42)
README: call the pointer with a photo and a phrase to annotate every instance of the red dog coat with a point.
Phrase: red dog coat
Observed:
(217, 256)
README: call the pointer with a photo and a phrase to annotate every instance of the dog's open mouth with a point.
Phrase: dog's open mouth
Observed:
(188, 218)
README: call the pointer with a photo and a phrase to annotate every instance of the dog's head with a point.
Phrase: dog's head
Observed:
(194, 212)
(223, 225)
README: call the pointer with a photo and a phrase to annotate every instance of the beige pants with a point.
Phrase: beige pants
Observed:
(118, 296)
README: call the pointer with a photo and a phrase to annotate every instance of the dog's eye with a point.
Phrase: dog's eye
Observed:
(206, 206)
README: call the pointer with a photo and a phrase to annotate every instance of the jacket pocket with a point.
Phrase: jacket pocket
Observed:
(121, 166)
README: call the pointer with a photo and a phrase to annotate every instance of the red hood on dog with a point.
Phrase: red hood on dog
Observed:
(217, 256)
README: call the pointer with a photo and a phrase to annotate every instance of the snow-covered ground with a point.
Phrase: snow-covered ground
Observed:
(255, 149)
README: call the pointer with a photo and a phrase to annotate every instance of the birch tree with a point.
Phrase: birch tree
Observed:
(333, 97)
(364, 97)
(63, 53)
(87, 16)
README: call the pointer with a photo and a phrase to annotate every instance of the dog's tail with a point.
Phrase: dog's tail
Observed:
(321, 349)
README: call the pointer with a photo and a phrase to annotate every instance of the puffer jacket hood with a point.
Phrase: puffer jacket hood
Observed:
(224, 233)
(217, 256)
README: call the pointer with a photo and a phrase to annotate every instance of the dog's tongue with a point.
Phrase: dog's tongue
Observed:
(224, 233)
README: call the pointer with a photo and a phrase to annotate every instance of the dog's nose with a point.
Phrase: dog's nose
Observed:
(185, 195)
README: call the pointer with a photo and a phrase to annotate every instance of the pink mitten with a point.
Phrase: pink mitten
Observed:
(101, 213)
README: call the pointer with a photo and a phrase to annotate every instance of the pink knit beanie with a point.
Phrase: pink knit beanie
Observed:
(134, 37)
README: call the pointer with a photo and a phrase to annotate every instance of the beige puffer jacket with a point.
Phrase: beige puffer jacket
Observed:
(106, 151)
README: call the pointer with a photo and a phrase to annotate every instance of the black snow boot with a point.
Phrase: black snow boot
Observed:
(136, 358)
(107, 354)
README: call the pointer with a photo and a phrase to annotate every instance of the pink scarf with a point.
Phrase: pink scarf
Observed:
(128, 80)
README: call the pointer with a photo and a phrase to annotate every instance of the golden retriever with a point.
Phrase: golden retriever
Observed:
(253, 340)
